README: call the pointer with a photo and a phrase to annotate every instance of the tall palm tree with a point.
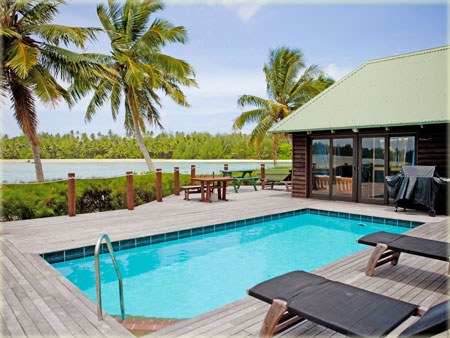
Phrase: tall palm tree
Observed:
(31, 53)
(287, 90)
(136, 67)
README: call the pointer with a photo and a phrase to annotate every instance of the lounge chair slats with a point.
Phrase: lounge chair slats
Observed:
(433, 322)
(285, 287)
(350, 310)
(343, 308)
(413, 245)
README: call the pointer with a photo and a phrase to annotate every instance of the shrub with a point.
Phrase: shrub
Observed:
(26, 201)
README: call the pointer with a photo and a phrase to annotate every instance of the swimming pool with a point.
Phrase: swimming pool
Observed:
(186, 277)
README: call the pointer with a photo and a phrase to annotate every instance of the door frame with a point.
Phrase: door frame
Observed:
(385, 169)
(330, 195)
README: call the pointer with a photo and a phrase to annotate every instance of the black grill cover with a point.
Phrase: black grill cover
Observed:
(416, 185)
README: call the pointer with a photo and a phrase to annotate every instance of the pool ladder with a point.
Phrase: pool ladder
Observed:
(97, 275)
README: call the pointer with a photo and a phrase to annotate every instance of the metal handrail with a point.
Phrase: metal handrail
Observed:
(97, 276)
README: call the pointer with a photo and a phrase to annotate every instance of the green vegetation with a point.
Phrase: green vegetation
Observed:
(165, 146)
(287, 91)
(25, 201)
(31, 53)
(136, 69)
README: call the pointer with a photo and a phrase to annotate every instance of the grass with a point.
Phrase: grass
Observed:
(27, 201)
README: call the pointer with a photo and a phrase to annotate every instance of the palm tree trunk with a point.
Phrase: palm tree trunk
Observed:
(37, 162)
(274, 150)
(137, 132)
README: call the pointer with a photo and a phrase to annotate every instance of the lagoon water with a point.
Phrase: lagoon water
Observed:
(17, 172)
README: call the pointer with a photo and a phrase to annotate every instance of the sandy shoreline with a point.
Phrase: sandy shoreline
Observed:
(79, 160)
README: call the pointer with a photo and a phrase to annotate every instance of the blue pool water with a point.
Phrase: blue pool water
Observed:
(187, 277)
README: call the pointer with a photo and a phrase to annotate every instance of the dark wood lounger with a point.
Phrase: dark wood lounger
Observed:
(389, 246)
(272, 181)
(299, 296)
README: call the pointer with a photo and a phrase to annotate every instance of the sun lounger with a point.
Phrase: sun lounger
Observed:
(273, 177)
(299, 296)
(389, 246)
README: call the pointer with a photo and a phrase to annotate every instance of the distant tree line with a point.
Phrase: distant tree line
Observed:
(164, 146)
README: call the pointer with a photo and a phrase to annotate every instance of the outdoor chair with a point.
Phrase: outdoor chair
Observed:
(273, 177)
(190, 189)
(298, 296)
(388, 247)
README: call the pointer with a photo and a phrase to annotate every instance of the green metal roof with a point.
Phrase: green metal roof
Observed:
(407, 89)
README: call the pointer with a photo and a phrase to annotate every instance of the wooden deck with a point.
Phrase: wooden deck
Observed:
(38, 301)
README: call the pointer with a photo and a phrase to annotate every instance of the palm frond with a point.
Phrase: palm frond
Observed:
(249, 116)
(259, 132)
(56, 34)
(101, 93)
(45, 86)
(21, 57)
(251, 100)
(41, 13)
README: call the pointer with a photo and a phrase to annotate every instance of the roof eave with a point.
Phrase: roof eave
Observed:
(286, 131)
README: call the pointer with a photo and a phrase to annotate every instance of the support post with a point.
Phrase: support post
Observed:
(159, 185)
(130, 198)
(225, 166)
(71, 199)
(192, 174)
(176, 180)
(263, 175)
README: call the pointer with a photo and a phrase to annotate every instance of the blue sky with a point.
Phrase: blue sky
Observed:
(229, 44)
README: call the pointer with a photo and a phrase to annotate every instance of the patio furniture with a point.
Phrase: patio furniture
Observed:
(278, 176)
(190, 189)
(299, 295)
(417, 186)
(240, 178)
(207, 185)
(389, 246)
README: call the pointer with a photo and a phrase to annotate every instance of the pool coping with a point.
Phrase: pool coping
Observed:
(87, 251)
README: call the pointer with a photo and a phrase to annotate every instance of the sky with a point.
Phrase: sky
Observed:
(228, 45)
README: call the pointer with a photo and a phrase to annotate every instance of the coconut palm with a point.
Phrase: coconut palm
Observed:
(31, 54)
(136, 67)
(287, 90)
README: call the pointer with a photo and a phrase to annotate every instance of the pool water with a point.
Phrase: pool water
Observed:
(186, 277)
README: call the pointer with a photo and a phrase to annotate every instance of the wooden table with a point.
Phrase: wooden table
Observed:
(221, 187)
(241, 177)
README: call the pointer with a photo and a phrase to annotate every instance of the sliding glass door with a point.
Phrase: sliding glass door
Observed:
(372, 169)
(342, 187)
(320, 170)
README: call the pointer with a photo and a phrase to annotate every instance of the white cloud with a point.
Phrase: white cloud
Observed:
(243, 10)
(337, 72)
(246, 11)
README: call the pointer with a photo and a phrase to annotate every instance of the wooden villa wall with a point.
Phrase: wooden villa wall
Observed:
(431, 149)
(299, 165)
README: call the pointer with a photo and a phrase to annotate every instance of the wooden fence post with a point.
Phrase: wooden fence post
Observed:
(130, 198)
(225, 166)
(192, 174)
(159, 185)
(263, 175)
(176, 180)
(71, 198)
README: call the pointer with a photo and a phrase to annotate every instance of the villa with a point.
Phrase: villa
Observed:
(386, 113)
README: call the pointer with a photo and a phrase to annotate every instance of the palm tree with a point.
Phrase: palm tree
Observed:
(287, 91)
(136, 67)
(31, 53)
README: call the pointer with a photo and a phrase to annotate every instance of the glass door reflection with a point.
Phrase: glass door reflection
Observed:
(343, 168)
(372, 168)
(321, 167)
